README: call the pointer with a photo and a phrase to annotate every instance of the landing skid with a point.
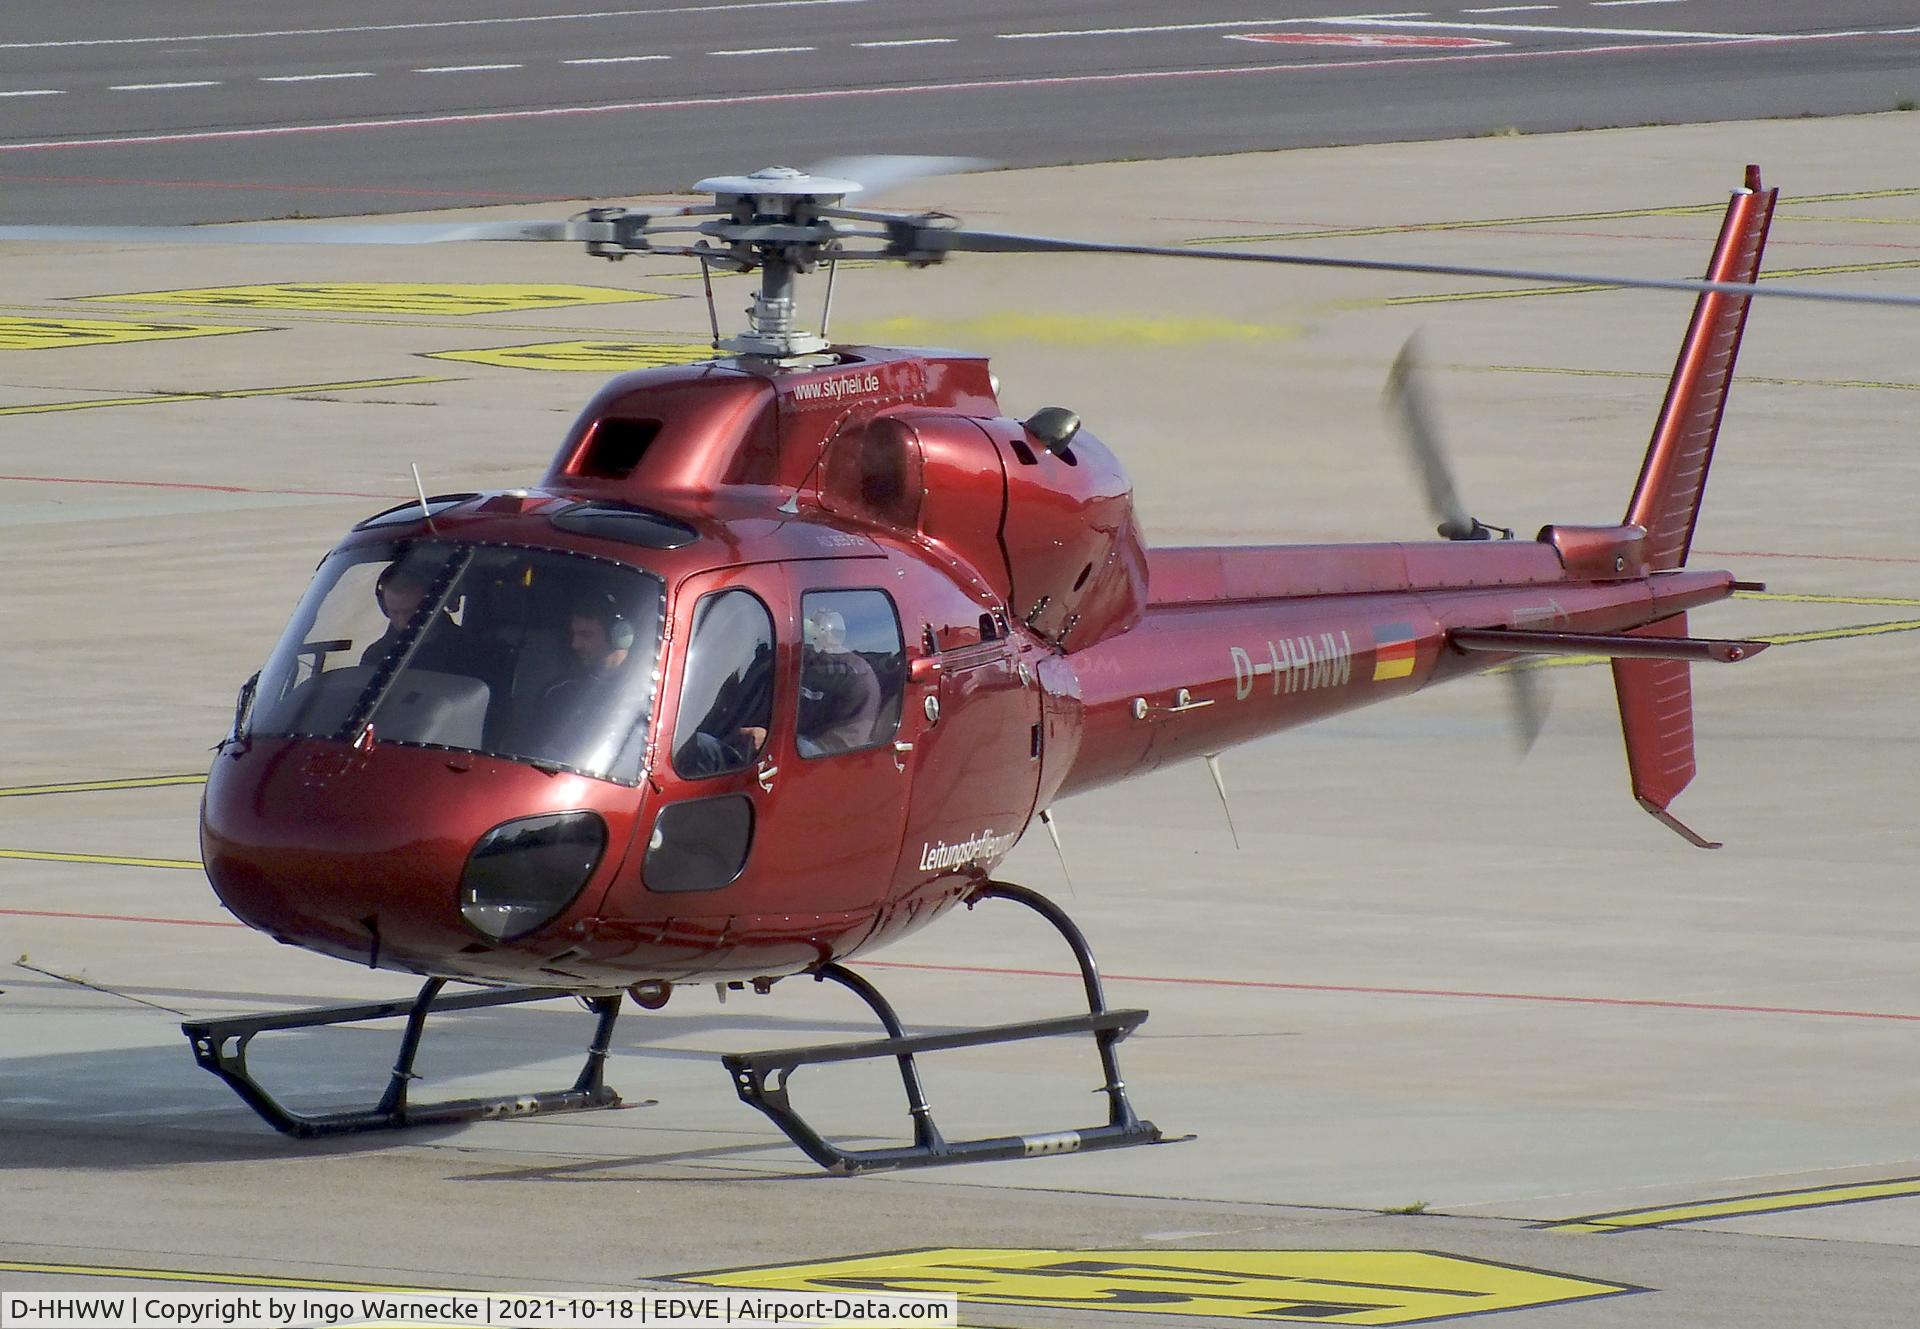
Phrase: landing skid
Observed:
(762, 1077)
(221, 1047)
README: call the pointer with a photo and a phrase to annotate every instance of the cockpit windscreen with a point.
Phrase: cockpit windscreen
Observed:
(530, 654)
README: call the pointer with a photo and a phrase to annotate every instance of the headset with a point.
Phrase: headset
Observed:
(605, 610)
(391, 572)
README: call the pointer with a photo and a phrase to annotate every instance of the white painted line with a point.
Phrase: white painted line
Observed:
(766, 50)
(1128, 32)
(1511, 9)
(463, 69)
(1610, 4)
(668, 105)
(315, 78)
(36, 92)
(615, 59)
(915, 41)
(157, 87)
(1574, 32)
(415, 27)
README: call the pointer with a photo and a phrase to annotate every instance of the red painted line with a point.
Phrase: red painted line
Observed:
(121, 918)
(1258, 985)
(185, 484)
(1652, 1003)
(1692, 48)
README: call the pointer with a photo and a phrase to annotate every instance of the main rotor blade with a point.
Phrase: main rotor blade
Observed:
(933, 239)
(877, 174)
(1419, 432)
(319, 233)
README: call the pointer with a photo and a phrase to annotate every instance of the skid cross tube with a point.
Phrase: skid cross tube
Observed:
(761, 1078)
(221, 1047)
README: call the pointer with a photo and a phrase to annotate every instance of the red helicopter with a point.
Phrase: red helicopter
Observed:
(787, 649)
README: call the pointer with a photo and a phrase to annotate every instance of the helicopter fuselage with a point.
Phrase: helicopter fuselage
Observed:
(872, 629)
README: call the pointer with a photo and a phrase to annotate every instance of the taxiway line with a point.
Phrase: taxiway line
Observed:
(159, 398)
(1692, 48)
(92, 786)
(119, 918)
(1546, 219)
(1175, 980)
(218, 1279)
(1584, 288)
(190, 484)
(111, 860)
(1663, 376)
(1740, 1206)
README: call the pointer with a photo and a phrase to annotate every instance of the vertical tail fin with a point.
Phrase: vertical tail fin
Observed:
(1656, 718)
(1656, 696)
(1666, 501)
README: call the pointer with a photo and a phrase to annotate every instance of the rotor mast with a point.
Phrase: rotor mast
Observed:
(775, 222)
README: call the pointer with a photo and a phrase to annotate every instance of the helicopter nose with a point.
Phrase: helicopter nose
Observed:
(404, 858)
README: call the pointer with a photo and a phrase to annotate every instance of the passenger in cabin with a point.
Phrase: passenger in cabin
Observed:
(840, 695)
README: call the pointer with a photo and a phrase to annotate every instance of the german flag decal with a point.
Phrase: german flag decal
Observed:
(1392, 651)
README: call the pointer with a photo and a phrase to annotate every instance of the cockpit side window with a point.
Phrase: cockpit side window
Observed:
(852, 672)
(726, 691)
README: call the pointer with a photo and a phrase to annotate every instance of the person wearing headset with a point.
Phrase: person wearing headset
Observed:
(600, 639)
(398, 591)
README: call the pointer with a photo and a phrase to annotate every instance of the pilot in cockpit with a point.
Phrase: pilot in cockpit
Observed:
(400, 588)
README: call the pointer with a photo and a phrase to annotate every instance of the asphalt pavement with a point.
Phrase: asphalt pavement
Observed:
(192, 112)
(1455, 1035)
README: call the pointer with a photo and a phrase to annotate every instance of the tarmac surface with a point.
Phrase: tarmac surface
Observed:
(1437, 1000)
(192, 111)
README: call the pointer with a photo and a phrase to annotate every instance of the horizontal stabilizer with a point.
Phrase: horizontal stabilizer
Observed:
(1619, 645)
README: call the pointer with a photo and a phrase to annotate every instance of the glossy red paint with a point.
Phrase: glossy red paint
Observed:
(1046, 651)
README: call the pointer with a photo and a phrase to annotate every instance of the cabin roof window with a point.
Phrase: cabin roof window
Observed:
(402, 514)
(626, 523)
(614, 447)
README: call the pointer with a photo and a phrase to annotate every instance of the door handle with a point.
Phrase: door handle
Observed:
(765, 775)
(900, 750)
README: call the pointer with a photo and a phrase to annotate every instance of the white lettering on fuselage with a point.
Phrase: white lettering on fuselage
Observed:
(939, 856)
(836, 389)
(1295, 664)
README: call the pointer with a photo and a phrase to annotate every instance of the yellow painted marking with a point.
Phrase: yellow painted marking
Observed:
(385, 297)
(1775, 638)
(43, 334)
(1317, 1287)
(1072, 330)
(160, 398)
(1386, 669)
(1663, 377)
(599, 356)
(1863, 221)
(1771, 1202)
(1583, 288)
(112, 860)
(1624, 214)
(219, 1279)
(1836, 634)
(1809, 599)
(90, 786)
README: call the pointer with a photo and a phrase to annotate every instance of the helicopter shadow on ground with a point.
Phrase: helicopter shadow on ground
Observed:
(127, 1093)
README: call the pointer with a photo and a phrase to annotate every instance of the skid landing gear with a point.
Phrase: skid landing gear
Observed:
(762, 1077)
(221, 1047)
